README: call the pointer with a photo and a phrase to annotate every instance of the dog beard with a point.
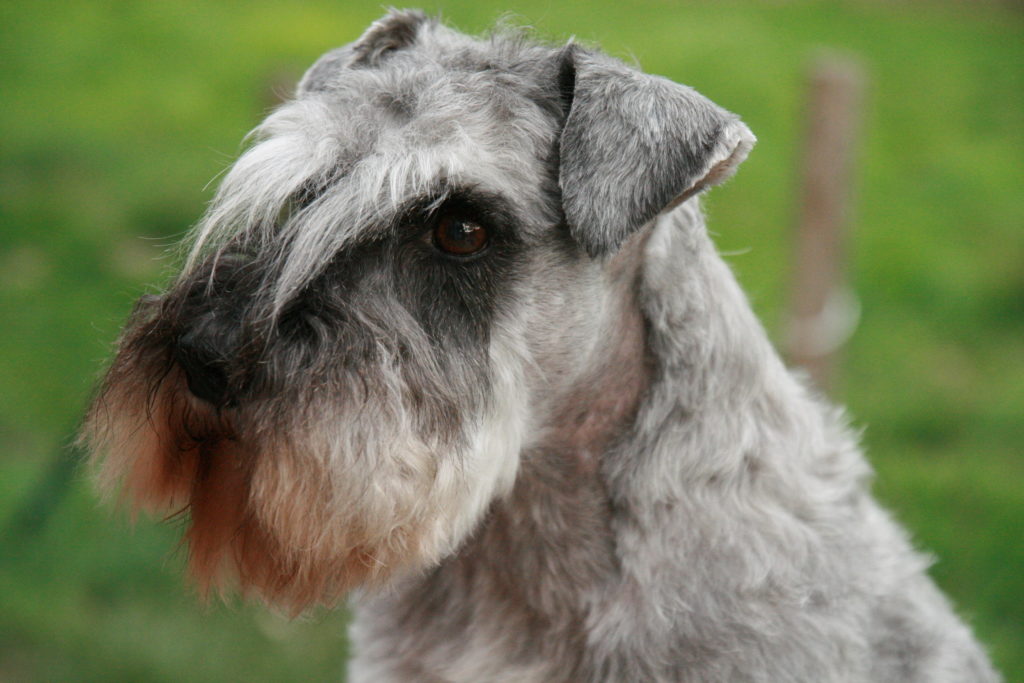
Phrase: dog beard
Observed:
(347, 478)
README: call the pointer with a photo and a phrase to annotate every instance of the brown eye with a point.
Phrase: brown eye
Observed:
(459, 236)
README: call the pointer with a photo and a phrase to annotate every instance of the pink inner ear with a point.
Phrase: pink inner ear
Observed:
(742, 140)
(725, 168)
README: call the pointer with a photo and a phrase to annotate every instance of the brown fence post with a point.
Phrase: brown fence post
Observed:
(822, 310)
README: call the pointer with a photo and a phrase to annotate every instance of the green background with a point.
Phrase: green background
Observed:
(116, 115)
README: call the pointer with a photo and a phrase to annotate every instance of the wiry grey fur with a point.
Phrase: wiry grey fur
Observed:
(572, 457)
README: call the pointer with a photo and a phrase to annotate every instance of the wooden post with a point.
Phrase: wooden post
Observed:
(823, 311)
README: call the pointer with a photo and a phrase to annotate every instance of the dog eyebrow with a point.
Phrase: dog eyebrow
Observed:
(490, 207)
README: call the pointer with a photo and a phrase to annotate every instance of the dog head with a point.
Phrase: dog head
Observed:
(419, 261)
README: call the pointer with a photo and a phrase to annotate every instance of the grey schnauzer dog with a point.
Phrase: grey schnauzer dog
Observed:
(453, 338)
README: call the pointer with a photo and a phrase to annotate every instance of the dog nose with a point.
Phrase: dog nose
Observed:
(205, 368)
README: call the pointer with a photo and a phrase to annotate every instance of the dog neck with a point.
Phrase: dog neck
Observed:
(597, 523)
(599, 406)
(555, 523)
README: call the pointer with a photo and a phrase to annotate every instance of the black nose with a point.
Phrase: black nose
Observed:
(205, 367)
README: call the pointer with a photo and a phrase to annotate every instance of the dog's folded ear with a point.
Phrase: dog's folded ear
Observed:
(634, 145)
(394, 31)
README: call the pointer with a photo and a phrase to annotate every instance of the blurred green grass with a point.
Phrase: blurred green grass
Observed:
(116, 115)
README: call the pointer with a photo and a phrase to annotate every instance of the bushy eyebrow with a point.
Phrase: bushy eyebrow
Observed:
(490, 207)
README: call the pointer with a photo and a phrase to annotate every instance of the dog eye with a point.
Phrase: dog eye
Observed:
(459, 236)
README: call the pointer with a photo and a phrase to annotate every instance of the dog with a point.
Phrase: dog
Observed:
(452, 340)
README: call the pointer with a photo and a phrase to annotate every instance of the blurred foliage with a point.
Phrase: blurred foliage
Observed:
(116, 115)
